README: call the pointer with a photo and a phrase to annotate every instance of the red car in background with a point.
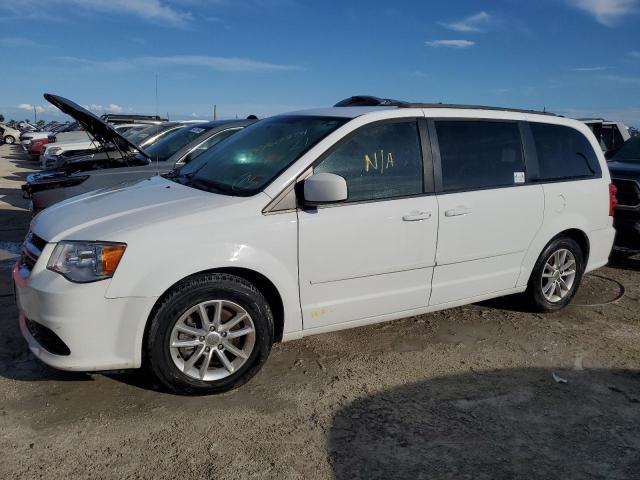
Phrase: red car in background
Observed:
(35, 147)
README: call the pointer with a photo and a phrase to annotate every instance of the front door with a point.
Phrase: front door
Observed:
(372, 255)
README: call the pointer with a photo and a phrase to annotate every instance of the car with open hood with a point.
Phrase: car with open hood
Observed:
(175, 148)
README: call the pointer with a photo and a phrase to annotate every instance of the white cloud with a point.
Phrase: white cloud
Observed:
(475, 23)
(634, 54)
(114, 108)
(39, 108)
(156, 11)
(222, 64)
(607, 12)
(590, 69)
(450, 43)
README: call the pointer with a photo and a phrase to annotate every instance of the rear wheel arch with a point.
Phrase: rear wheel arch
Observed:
(581, 239)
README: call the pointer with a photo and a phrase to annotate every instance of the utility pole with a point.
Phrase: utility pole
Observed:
(35, 115)
(215, 112)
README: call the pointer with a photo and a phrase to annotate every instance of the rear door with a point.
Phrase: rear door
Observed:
(372, 255)
(489, 211)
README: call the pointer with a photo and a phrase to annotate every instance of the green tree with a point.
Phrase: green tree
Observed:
(40, 123)
(1, 118)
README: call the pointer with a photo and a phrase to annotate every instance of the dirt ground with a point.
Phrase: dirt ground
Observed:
(478, 392)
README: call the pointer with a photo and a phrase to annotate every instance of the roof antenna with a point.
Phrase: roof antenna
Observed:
(157, 165)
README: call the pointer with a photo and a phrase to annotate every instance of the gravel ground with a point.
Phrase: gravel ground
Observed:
(485, 391)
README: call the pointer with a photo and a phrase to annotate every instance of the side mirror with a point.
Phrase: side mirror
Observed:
(323, 188)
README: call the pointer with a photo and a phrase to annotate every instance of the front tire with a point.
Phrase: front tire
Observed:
(9, 140)
(211, 334)
(556, 275)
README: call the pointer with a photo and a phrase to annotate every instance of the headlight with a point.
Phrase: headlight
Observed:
(86, 261)
(54, 151)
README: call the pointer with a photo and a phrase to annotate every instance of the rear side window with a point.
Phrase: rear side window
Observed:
(563, 152)
(378, 161)
(479, 154)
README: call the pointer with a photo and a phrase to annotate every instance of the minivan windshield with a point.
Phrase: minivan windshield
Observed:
(629, 152)
(248, 161)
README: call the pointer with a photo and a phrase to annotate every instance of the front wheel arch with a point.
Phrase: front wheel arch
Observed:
(262, 283)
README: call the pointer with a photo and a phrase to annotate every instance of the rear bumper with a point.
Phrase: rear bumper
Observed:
(600, 246)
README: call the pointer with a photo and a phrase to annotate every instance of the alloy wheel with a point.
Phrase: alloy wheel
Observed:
(558, 275)
(212, 340)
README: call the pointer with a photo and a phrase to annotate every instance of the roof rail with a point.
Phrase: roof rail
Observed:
(371, 101)
(474, 107)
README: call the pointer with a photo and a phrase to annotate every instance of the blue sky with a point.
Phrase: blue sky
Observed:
(576, 57)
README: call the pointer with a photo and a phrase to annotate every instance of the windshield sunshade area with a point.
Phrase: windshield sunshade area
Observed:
(174, 141)
(248, 161)
(629, 152)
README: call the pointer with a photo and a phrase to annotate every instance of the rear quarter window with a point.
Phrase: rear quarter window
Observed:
(564, 153)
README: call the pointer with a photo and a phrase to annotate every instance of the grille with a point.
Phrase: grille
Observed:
(628, 192)
(47, 339)
(31, 250)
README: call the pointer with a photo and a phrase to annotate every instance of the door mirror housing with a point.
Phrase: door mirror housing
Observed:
(324, 188)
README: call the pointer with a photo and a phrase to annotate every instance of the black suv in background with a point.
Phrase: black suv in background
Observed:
(625, 174)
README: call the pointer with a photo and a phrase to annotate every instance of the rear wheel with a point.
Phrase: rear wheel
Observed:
(556, 275)
(9, 140)
(211, 334)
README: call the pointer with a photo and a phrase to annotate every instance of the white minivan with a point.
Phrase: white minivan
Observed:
(311, 222)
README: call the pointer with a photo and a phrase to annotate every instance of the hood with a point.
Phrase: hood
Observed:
(106, 213)
(98, 128)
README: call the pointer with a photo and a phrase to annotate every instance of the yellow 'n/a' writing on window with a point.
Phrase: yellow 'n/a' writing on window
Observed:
(384, 164)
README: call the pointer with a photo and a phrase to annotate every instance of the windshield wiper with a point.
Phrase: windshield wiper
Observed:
(208, 185)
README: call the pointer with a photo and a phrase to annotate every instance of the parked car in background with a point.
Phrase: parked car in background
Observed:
(27, 137)
(117, 119)
(9, 135)
(51, 154)
(611, 135)
(625, 173)
(311, 222)
(88, 173)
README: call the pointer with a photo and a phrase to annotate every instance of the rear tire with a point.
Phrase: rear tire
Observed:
(193, 346)
(9, 140)
(556, 275)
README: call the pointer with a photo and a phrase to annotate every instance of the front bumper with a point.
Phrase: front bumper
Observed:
(100, 333)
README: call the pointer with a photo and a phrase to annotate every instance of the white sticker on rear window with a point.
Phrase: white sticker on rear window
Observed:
(197, 130)
(518, 177)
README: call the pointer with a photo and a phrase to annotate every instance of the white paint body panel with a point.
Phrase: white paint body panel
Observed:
(343, 266)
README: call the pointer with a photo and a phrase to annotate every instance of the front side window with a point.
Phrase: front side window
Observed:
(379, 161)
(248, 161)
(479, 154)
(563, 152)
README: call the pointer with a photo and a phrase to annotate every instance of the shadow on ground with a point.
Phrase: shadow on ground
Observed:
(502, 424)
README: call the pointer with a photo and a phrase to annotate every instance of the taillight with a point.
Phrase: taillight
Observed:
(613, 201)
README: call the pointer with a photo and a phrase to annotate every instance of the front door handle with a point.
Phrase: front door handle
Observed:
(457, 212)
(416, 216)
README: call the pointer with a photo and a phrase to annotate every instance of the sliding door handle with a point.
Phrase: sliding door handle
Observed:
(457, 212)
(416, 216)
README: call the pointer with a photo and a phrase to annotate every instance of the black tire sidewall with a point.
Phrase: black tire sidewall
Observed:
(537, 298)
(13, 140)
(213, 288)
